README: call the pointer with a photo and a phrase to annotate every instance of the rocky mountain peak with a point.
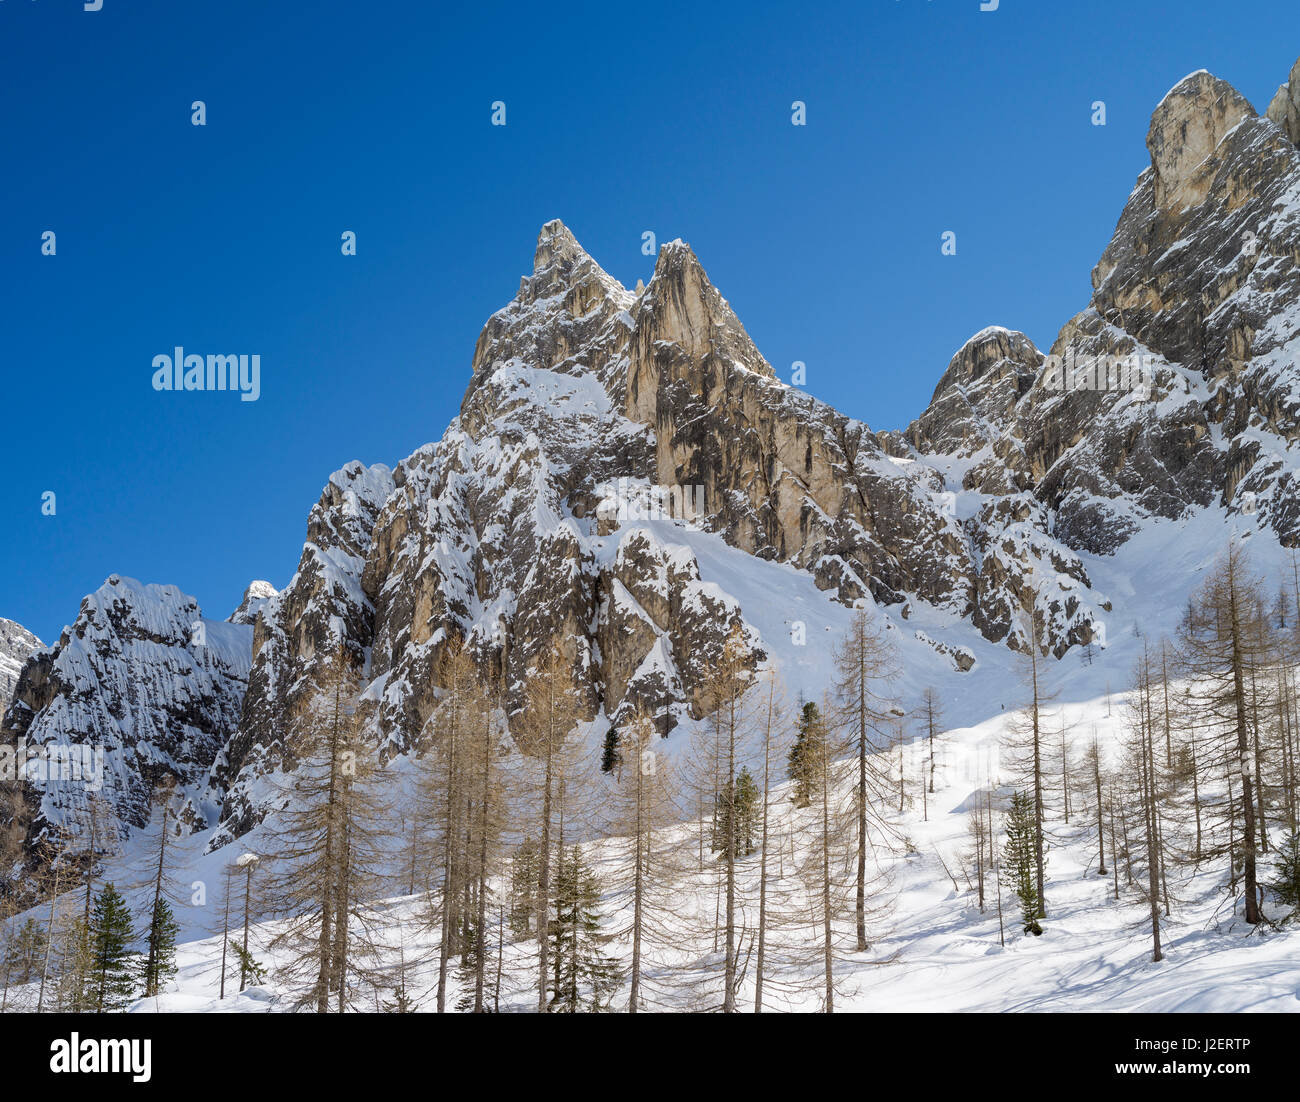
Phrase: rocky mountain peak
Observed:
(255, 597)
(978, 392)
(563, 319)
(1285, 106)
(557, 249)
(564, 270)
(1186, 128)
(1176, 388)
(681, 306)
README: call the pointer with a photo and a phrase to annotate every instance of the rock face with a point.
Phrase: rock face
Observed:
(17, 644)
(141, 688)
(1185, 133)
(298, 629)
(1285, 107)
(1178, 387)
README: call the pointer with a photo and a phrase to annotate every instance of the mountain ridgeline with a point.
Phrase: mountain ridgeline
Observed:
(599, 422)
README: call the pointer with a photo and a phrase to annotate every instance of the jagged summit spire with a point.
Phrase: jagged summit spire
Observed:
(560, 264)
(555, 244)
(1186, 128)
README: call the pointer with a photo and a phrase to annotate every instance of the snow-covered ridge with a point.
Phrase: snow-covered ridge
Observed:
(147, 685)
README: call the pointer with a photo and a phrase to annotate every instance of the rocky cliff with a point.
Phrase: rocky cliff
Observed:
(255, 599)
(17, 644)
(1177, 387)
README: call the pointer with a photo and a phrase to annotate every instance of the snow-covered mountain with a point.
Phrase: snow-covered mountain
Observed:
(1199, 291)
(593, 408)
(17, 644)
(140, 688)
(628, 480)
(255, 598)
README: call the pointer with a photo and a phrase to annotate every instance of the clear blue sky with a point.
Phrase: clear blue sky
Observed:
(375, 117)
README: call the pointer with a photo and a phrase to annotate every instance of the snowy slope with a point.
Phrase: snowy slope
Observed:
(937, 951)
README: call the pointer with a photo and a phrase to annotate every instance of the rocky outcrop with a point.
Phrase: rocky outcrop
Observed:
(1176, 388)
(17, 644)
(1184, 136)
(1284, 109)
(321, 612)
(977, 395)
(255, 598)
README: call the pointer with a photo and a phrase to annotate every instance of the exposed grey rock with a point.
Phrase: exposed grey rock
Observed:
(1185, 132)
(17, 644)
(1285, 106)
(1202, 281)
(300, 629)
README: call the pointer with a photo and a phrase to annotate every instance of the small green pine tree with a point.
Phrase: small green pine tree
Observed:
(1018, 860)
(748, 816)
(25, 951)
(77, 986)
(805, 754)
(584, 977)
(252, 972)
(524, 871)
(401, 1002)
(467, 973)
(1287, 885)
(610, 758)
(161, 938)
(110, 939)
(741, 798)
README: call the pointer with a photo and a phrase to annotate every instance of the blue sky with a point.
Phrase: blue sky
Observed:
(324, 117)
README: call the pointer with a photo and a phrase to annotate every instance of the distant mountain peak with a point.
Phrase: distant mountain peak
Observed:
(255, 597)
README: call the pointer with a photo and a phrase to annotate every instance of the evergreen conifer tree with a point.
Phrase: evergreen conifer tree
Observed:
(810, 735)
(160, 966)
(523, 887)
(585, 977)
(249, 966)
(739, 799)
(1019, 860)
(26, 951)
(1287, 885)
(110, 939)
